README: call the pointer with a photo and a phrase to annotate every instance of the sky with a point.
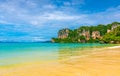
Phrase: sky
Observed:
(40, 20)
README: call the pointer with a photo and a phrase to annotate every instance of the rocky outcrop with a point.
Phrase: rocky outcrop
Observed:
(63, 33)
(96, 34)
(86, 34)
(114, 26)
(108, 30)
(89, 34)
(52, 40)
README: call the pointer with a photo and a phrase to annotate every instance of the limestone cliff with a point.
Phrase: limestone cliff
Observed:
(85, 33)
(115, 26)
(63, 33)
(96, 34)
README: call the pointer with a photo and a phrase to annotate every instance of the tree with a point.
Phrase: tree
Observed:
(112, 36)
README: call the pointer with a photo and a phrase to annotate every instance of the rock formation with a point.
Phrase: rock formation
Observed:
(96, 34)
(114, 26)
(86, 34)
(108, 30)
(63, 33)
(52, 40)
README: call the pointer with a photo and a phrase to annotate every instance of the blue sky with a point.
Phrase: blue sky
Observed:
(39, 20)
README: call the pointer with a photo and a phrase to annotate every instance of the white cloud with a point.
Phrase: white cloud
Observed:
(15, 14)
(31, 4)
(37, 39)
(108, 16)
(30, 16)
(78, 2)
(61, 16)
(3, 22)
(49, 6)
(17, 11)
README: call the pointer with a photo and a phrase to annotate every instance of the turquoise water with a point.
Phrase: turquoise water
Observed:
(19, 53)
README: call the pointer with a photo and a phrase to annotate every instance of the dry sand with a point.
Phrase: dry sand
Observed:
(105, 62)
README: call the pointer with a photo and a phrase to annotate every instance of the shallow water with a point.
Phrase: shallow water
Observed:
(19, 53)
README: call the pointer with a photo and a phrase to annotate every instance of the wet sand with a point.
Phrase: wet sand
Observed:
(105, 62)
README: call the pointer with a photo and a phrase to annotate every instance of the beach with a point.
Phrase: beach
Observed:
(59, 37)
(105, 62)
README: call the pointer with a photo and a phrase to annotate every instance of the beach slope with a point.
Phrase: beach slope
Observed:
(105, 62)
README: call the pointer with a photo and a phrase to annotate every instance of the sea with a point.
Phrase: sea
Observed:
(21, 53)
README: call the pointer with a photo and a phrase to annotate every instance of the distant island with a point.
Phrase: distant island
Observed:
(109, 33)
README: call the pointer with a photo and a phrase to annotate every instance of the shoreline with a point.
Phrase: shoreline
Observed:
(115, 46)
(105, 62)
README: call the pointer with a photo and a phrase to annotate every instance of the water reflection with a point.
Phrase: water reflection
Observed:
(16, 53)
(67, 51)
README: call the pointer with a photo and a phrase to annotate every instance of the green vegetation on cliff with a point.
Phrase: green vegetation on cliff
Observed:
(113, 36)
(109, 33)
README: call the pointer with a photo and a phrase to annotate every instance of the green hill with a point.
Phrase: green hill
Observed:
(109, 33)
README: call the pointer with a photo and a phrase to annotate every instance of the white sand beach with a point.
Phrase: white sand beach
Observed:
(105, 62)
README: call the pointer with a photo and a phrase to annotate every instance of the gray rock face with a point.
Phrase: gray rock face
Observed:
(96, 34)
(86, 34)
(108, 30)
(114, 26)
(63, 33)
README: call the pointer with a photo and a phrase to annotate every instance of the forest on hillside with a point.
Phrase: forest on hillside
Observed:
(101, 33)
